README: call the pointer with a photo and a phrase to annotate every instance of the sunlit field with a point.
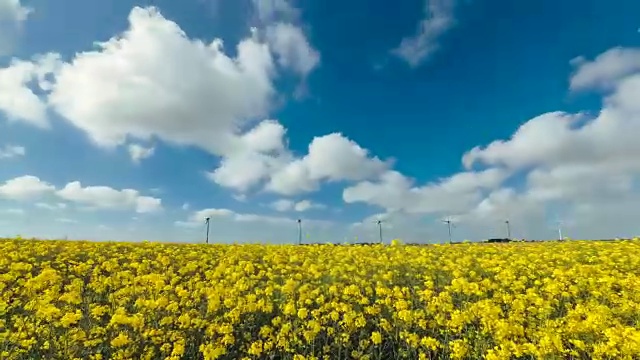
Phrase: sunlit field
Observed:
(84, 300)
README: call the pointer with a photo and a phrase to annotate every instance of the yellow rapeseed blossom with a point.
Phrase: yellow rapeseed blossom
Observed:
(89, 300)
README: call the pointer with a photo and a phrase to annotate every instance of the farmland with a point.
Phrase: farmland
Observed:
(88, 300)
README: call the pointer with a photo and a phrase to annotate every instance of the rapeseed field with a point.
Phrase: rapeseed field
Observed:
(89, 300)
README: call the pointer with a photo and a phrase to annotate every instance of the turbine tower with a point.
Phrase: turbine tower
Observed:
(560, 230)
(379, 222)
(299, 231)
(508, 228)
(449, 224)
(207, 220)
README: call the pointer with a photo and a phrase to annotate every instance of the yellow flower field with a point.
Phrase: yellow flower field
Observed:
(86, 300)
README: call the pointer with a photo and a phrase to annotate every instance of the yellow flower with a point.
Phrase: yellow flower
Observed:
(376, 337)
(302, 313)
(120, 341)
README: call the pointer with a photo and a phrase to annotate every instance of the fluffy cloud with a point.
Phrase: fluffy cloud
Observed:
(262, 153)
(283, 205)
(11, 151)
(12, 16)
(14, 211)
(305, 205)
(52, 207)
(438, 20)
(25, 188)
(138, 152)
(331, 157)
(606, 69)
(17, 100)
(30, 187)
(66, 220)
(153, 80)
(395, 192)
(104, 197)
(576, 169)
(292, 48)
(197, 218)
(270, 10)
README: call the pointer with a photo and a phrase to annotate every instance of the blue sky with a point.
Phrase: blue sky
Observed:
(337, 113)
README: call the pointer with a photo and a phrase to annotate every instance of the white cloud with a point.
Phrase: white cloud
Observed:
(395, 192)
(104, 197)
(263, 152)
(240, 197)
(331, 157)
(48, 206)
(283, 205)
(66, 220)
(11, 151)
(606, 69)
(14, 211)
(17, 100)
(580, 169)
(292, 48)
(138, 152)
(12, 17)
(30, 187)
(305, 205)
(25, 188)
(270, 10)
(153, 81)
(439, 18)
(186, 206)
(577, 167)
(545, 136)
(197, 218)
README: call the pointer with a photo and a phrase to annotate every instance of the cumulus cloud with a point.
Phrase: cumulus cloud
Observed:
(606, 69)
(439, 18)
(12, 17)
(104, 197)
(25, 188)
(292, 48)
(395, 192)
(30, 187)
(197, 218)
(331, 157)
(152, 80)
(67, 220)
(283, 205)
(14, 211)
(576, 169)
(52, 207)
(271, 10)
(138, 152)
(17, 99)
(12, 151)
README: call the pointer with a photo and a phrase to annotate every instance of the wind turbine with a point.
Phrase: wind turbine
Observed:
(299, 231)
(508, 228)
(449, 224)
(379, 222)
(207, 220)
(560, 230)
